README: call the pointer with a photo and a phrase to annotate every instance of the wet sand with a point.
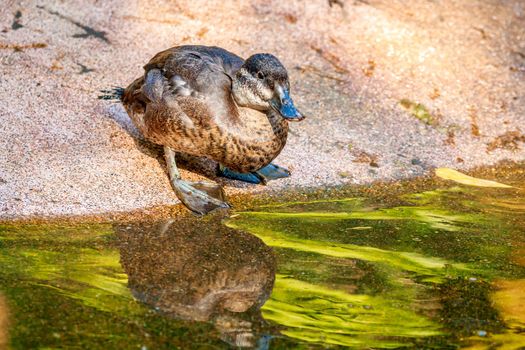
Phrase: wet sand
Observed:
(391, 89)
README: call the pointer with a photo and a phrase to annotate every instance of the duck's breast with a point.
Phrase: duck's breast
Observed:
(255, 141)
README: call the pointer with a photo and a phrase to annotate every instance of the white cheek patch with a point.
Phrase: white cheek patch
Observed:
(246, 97)
(251, 98)
(266, 92)
(250, 92)
(279, 90)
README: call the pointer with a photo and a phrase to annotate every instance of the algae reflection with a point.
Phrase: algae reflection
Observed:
(441, 267)
(64, 286)
(140, 285)
(429, 269)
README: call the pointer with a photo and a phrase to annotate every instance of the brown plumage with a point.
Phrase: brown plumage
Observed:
(185, 101)
(208, 102)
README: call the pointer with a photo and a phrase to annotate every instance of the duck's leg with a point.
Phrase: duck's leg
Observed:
(261, 176)
(200, 197)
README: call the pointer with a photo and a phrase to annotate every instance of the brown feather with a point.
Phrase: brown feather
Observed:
(207, 123)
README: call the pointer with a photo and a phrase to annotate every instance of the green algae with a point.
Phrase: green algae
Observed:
(65, 288)
(419, 111)
(430, 268)
(407, 261)
(456, 238)
(331, 316)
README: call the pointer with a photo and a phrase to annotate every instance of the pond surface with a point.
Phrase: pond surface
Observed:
(427, 264)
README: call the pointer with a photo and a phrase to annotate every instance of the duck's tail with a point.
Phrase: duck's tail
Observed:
(114, 94)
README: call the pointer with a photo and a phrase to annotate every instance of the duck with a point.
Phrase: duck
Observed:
(208, 102)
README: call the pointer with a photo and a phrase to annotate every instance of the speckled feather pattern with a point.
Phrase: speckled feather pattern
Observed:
(184, 101)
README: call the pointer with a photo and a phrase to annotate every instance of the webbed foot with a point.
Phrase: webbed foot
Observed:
(261, 176)
(230, 174)
(200, 197)
(272, 172)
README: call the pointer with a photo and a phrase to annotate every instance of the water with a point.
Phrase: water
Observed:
(422, 264)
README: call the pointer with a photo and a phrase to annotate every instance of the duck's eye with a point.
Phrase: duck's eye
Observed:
(260, 75)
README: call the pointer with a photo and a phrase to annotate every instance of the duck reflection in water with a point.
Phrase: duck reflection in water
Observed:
(199, 270)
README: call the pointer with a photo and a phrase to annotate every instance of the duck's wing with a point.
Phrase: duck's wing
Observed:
(198, 71)
(196, 64)
(197, 77)
(184, 90)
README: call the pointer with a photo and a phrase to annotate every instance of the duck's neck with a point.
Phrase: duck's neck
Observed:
(264, 126)
(240, 93)
(254, 117)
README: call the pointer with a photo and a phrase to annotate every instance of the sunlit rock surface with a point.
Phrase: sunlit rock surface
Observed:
(391, 90)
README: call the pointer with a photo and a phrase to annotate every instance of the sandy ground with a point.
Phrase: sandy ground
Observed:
(392, 89)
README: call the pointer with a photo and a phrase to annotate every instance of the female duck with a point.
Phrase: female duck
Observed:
(209, 102)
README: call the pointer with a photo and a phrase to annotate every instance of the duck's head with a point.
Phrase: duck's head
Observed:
(262, 83)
